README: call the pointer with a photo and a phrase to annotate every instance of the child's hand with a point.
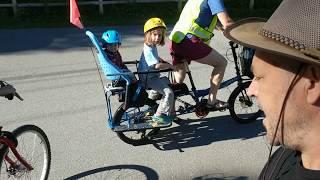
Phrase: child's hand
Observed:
(165, 66)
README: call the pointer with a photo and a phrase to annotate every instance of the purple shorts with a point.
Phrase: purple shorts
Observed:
(188, 49)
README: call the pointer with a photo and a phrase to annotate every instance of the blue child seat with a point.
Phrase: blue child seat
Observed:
(134, 90)
(110, 70)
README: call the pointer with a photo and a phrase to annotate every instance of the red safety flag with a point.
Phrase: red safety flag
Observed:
(75, 14)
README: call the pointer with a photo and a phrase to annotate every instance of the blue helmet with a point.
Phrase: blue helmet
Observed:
(111, 36)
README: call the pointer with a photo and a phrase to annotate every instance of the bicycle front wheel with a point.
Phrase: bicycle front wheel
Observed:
(243, 108)
(34, 148)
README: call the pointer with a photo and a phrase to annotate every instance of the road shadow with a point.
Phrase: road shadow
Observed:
(57, 39)
(118, 172)
(220, 177)
(200, 132)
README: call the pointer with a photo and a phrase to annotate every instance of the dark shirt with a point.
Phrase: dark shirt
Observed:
(286, 164)
(116, 58)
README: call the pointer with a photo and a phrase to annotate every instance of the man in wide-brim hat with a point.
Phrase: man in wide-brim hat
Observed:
(286, 67)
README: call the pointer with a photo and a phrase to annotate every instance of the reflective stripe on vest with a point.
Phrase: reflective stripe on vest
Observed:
(187, 24)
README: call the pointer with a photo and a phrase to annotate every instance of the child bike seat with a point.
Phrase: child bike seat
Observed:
(110, 70)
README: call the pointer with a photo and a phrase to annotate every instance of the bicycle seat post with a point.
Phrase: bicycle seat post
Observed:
(187, 67)
(193, 87)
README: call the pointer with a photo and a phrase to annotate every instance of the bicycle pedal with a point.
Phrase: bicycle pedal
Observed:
(222, 110)
(217, 109)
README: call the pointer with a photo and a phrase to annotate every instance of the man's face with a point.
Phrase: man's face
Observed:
(270, 86)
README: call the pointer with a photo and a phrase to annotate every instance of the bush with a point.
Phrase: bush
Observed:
(118, 14)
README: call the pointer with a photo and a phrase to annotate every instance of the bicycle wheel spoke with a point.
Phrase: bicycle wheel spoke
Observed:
(244, 109)
(134, 115)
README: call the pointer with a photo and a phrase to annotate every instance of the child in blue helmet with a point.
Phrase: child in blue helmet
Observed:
(111, 41)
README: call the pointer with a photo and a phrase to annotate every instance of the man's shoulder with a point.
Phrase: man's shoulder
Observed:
(284, 155)
(282, 161)
(284, 151)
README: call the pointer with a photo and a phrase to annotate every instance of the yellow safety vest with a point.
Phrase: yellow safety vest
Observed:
(186, 23)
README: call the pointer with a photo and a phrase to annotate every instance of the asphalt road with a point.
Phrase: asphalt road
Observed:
(55, 72)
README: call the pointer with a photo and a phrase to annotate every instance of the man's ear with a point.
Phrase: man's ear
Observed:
(312, 78)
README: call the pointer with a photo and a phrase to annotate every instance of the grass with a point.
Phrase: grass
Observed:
(120, 14)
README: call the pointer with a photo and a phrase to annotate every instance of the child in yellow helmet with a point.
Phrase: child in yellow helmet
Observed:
(154, 34)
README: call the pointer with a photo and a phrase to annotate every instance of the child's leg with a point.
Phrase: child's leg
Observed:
(167, 102)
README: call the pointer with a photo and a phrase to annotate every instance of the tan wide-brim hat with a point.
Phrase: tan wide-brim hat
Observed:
(293, 31)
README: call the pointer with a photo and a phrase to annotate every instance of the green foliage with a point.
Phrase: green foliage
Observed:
(239, 9)
(115, 14)
(118, 14)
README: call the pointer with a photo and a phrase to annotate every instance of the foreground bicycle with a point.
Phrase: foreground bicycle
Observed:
(130, 119)
(25, 152)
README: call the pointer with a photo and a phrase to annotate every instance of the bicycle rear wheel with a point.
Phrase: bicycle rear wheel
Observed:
(243, 108)
(34, 148)
(135, 115)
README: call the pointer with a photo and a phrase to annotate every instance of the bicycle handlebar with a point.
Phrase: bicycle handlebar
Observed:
(131, 62)
(9, 91)
(18, 96)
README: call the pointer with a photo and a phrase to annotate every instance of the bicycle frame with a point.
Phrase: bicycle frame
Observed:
(8, 144)
(197, 95)
(133, 89)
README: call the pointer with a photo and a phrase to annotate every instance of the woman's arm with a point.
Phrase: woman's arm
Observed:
(225, 19)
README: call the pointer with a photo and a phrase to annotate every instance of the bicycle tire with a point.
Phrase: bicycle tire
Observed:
(138, 137)
(2, 151)
(250, 111)
(35, 151)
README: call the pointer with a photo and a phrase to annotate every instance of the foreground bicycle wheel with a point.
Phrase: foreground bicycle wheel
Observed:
(135, 115)
(34, 147)
(243, 108)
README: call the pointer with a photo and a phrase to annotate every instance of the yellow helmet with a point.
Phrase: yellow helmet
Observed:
(153, 23)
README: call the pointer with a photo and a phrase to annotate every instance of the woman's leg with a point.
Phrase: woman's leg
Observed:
(219, 63)
(180, 74)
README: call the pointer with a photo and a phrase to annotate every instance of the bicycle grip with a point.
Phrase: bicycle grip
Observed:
(18, 96)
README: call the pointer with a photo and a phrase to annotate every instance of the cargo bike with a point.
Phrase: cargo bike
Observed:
(130, 119)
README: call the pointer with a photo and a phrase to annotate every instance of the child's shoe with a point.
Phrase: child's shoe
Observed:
(162, 119)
